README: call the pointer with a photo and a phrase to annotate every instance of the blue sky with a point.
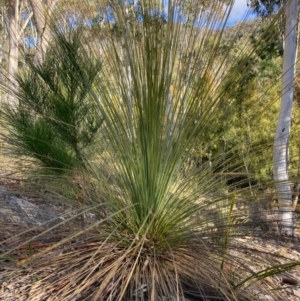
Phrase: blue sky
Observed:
(238, 12)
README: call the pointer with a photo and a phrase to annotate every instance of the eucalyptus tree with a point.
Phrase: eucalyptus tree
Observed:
(282, 135)
(15, 28)
(265, 8)
(3, 41)
(42, 15)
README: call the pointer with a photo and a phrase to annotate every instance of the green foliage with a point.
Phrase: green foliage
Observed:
(247, 115)
(265, 8)
(269, 45)
(38, 139)
(56, 120)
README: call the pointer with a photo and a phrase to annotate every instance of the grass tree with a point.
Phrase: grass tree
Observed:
(159, 231)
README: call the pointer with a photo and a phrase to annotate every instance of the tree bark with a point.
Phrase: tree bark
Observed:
(281, 142)
(14, 33)
(42, 16)
(13, 18)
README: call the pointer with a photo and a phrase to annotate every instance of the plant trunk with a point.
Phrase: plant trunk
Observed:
(281, 142)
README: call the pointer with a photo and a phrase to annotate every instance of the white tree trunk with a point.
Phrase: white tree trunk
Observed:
(281, 142)
(42, 16)
(14, 32)
(13, 17)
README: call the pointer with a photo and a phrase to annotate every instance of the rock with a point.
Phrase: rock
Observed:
(21, 212)
(296, 292)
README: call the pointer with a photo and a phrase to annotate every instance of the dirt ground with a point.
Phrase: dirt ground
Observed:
(271, 246)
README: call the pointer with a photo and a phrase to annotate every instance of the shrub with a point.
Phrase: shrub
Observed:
(56, 120)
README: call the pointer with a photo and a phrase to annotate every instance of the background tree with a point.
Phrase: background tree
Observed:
(16, 27)
(265, 8)
(281, 142)
(282, 136)
(42, 15)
